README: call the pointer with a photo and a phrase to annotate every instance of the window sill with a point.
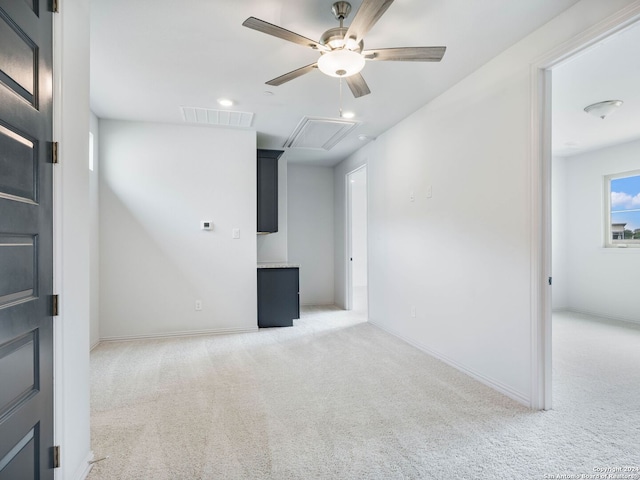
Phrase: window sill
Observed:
(630, 248)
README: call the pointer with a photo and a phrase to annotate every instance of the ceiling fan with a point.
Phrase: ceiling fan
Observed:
(341, 49)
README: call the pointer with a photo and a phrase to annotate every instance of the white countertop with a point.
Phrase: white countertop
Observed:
(278, 265)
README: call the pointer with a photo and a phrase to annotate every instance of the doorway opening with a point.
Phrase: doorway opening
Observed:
(549, 143)
(357, 271)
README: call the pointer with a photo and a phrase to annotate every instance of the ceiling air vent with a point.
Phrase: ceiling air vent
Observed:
(222, 118)
(319, 133)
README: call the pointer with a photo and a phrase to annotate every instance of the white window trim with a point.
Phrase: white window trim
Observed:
(608, 241)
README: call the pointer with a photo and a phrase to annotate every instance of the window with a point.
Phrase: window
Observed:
(91, 151)
(623, 209)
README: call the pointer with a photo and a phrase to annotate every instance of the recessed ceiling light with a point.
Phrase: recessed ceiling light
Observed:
(571, 144)
(268, 93)
(347, 114)
(225, 102)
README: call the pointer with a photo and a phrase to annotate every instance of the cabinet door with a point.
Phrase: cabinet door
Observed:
(278, 303)
(268, 190)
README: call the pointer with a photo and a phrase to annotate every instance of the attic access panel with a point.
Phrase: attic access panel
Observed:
(319, 133)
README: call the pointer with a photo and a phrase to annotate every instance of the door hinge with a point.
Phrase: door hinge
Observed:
(55, 6)
(550, 280)
(54, 153)
(54, 306)
(55, 456)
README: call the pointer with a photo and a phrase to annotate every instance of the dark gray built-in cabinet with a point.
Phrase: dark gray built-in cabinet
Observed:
(278, 296)
(268, 190)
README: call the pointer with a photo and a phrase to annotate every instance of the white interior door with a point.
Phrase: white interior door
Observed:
(357, 284)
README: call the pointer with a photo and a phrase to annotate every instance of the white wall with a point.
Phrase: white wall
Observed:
(71, 236)
(310, 223)
(601, 281)
(157, 182)
(94, 236)
(559, 233)
(273, 247)
(463, 257)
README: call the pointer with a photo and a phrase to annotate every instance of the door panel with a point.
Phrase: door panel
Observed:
(19, 357)
(18, 266)
(22, 461)
(18, 64)
(18, 166)
(26, 241)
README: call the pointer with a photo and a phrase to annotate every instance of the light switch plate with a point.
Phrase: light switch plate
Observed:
(236, 233)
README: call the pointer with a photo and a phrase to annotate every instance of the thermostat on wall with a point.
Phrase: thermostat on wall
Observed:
(206, 225)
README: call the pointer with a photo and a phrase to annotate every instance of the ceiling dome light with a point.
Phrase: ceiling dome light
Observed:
(364, 137)
(347, 115)
(225, 102)
(603, 109)
(341, 63)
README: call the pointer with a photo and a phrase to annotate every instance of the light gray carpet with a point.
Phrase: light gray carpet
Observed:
(336, 398)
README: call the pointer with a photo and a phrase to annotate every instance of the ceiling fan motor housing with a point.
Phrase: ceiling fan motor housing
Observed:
(334, 38)
(341, 10)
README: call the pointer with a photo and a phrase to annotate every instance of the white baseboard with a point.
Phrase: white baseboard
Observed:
(188, 333)
(602, 315)
(490, 382)
(84, 468)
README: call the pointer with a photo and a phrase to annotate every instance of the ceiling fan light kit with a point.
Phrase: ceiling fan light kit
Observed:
(341, 63)
(341, 48)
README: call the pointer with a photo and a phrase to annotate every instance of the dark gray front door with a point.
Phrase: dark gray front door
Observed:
(26, 253)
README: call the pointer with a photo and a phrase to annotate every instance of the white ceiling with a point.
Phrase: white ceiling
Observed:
(607, 71)
(150, 57)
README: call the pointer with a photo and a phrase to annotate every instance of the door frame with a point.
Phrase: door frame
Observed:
(349, 239)
(58, 371)
(540, 174)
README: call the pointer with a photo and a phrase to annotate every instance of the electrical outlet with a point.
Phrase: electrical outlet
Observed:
(413, 312)
(198, 305)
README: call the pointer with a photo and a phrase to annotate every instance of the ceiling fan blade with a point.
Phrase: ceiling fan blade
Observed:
(358, 86)
(368, 14)
(270, 29)
(406, 54)
(291, 75)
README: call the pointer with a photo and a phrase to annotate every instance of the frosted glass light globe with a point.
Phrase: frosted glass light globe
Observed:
(341, 63)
